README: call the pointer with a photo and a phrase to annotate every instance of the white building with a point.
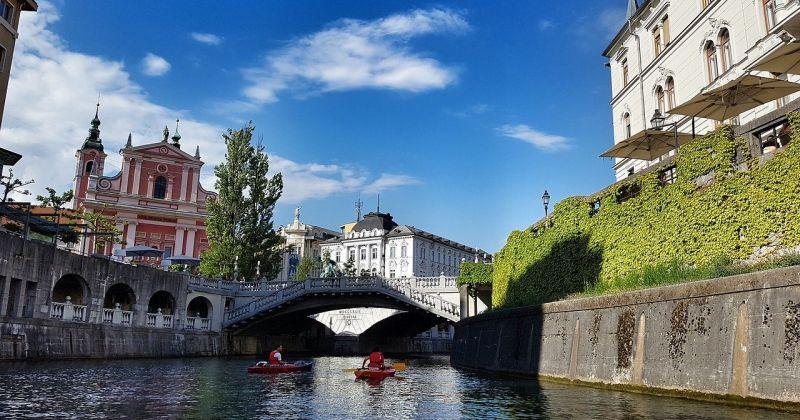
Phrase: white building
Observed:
(668, 51)
(302, 240)
(377, 245)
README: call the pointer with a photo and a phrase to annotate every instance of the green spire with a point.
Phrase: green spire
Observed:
(177, 137)
(93, 141)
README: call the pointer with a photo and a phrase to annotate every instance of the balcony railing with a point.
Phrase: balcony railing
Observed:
(67, 311)
(158, 320)
(117, 316)
(198, 323)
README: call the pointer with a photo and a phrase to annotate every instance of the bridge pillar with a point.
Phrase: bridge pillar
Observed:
(463, 298)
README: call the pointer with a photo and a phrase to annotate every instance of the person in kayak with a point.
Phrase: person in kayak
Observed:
(275, 357)
(375, 359)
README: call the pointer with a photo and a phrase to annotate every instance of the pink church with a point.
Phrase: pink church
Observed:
(157, 197)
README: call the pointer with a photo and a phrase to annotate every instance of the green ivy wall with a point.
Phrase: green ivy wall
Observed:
(740, 211)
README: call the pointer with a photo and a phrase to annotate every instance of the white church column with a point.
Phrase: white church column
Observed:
(195, 182)
(190, 242)
(184, 183)
(137, 175)
(118, 240)
(130, 238)
(179, 232)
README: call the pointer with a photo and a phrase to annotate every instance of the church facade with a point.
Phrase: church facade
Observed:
(156, 199)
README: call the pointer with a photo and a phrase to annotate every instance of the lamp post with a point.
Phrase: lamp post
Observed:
(545, 201)
(657, 121)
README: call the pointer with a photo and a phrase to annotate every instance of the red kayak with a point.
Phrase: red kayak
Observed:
(374, 374)
(265, 367)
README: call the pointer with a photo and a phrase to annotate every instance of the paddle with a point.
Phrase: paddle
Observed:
(397, 366)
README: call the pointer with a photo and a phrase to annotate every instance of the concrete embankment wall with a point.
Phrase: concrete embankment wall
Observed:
(736, 337)
(42, 339)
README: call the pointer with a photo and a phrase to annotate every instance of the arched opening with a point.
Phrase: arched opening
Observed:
(72, 288)
(89, 167)
(711, 61)
(660, 99)
(669, 92)
(626, 126)
(69, 298)
(198, 314)
(725, 49)
(121, 294)
(160, 187)
(163, 301)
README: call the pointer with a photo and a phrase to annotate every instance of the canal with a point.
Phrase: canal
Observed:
(220, 388)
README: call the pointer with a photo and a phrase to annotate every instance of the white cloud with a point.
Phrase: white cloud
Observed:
(353, 54)
(209, 39)
(545, 24)
(51, 100)
(153, 65)
(389, 181)
(543, 141)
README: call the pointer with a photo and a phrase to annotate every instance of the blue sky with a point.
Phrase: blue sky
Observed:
(459, 113)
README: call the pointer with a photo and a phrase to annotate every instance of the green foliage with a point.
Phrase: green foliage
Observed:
(474, 273)
(239, 222)
(349, 268)
(102, 227)
(55, 200)
(306, 266)
(736, 215)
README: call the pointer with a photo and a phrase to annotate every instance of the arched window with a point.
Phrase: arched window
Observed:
(711, 61)
(725, 49)
(160, 187)
(89, 167)
(626, 125)
(660, 104)
(669, 92)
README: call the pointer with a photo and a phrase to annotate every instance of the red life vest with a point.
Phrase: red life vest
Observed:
(272, 359)
(376, 359)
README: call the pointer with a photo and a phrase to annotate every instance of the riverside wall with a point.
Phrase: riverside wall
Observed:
(734, 338)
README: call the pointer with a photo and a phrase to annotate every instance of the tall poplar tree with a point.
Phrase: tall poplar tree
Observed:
(239, 222)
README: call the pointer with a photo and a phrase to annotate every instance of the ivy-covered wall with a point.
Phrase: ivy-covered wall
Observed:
(716, 209)
(474, 273)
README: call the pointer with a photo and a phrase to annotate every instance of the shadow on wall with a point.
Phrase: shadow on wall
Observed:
(499, 343)
(572, 259)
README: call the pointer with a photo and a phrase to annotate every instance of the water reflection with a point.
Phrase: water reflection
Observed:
(221, 388)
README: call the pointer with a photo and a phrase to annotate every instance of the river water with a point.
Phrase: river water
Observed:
(221, 388)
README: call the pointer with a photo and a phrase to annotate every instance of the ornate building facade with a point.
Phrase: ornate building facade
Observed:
(302, 240)
(377, 245)
(666, 52)
(156, 198)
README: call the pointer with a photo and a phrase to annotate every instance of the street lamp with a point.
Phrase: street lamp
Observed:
(545, 201)
(658, 123)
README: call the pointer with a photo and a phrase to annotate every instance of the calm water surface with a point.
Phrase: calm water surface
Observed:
(221, 388)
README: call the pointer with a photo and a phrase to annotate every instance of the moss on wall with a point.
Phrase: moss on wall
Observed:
(715, 210)
(474, 273)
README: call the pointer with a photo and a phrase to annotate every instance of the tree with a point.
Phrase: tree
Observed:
(101, 225)
(57, 202)
(239, 222)
(306, 266)
(11, 184)
(350, 268)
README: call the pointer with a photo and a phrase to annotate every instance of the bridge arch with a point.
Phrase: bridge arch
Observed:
(122, 294)
(403, 324)
(161, 300)
(71, 287)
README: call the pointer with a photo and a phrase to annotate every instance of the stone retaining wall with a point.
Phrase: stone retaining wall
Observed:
(736, 337)
(40, 339)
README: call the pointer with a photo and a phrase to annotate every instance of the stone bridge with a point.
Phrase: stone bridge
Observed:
(260, 302)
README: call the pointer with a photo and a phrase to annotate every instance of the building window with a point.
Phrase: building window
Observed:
(7, 11)
(338, 256)
(167, 251)
(351, 253)
(665, 30)
(626, 125)
(160, 187)
(403, 251)
(2, 58)
(391, 274)
(668, 176)
(392, 252)
(625, 72)
(627, 192)
(725, 49)
(363, 253)
(374, 252)
(660, 99)
(669, 92)
(705, 3)
(769, 8)
(89, 167)
(711, 61)
(775, 137)
(657, 41)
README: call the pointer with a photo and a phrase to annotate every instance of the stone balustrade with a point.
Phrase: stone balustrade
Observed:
(198, 323)
(67, 311)
(158, 320)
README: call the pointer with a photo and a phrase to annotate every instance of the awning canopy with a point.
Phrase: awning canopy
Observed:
(7, 157)
(785, 59)
(142, 251)
(735, 97)
(647, 145)
(180, 259)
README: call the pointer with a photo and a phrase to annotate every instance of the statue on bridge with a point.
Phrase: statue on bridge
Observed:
(329, 269)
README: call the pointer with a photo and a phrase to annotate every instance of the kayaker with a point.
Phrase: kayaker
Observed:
(375, 359)
(275, 357)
